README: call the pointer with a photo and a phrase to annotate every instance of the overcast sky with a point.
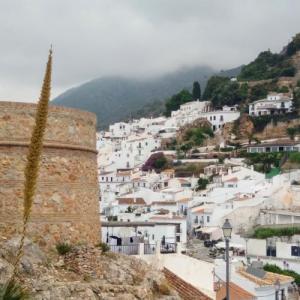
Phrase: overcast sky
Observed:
(95, 38)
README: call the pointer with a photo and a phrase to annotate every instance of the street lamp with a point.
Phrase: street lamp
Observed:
(227, 229)
(277, 289)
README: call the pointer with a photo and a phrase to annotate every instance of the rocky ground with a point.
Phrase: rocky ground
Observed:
(83, 273)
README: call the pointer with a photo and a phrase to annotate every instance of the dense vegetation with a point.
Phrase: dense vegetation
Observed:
(294, 45)
(188, 170)
(196, 136)
(193, 137)
(263, 233)
(176, 100)
(270, 65)
(267, 66)
(223, 91)
(294, 157)
(262, 121)
(157, 161)
(264, 162)
(275, 269)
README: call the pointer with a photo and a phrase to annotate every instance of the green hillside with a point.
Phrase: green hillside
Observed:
(257, 78)
(114, 98)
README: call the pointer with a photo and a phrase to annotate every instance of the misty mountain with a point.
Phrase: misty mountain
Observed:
(114, 99)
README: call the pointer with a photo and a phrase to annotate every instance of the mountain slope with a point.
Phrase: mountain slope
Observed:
(115, 98)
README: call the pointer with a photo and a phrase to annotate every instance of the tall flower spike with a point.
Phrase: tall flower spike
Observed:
(34, 156)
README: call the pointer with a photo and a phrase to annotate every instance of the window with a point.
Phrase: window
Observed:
(207, 219)
(111, 179)
(295, 251)
(221, 118)
(214, 117)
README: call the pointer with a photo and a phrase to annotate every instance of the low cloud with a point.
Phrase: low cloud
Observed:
(132, 38)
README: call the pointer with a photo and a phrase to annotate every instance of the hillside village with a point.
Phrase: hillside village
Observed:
(169, 183)
(194, 197)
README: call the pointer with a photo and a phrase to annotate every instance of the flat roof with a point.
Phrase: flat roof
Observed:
(135, 224)
(274, 144)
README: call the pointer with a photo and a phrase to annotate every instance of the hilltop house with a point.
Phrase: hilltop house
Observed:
(274, 104)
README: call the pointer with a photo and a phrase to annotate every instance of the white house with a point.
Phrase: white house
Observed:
(219, 118)
(120, 129)
(274, 104)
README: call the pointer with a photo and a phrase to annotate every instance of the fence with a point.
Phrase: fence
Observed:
(146, 249)
(149, 248)
(125, 249)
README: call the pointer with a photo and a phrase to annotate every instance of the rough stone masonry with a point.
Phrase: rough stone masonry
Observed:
(65, 207)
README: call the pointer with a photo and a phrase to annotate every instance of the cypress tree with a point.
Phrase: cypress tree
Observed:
(196, 90)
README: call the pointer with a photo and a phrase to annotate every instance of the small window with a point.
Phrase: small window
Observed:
(207, 219)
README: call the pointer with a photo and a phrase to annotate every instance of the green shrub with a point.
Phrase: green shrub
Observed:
(202, 183)
(263, 233)
(13, 291)
(262, 121)
(278, 270)
(294, 157)
(263, 162)
(104, 247)
(63, 248)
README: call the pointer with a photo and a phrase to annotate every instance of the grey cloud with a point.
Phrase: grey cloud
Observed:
(133, 37)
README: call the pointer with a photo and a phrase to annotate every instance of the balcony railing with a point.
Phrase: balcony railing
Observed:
(168, 248)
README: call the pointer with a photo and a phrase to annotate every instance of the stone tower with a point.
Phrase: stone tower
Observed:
(66, 203)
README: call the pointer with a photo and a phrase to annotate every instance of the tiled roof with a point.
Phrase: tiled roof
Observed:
(232, 179)
(131, 201)
(164, 203)
(164, 217)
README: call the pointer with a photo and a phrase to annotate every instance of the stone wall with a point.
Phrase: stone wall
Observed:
(66, 201)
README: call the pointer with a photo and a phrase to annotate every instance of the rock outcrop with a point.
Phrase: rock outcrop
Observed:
(83, 273)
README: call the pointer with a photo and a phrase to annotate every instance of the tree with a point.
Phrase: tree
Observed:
(186, 147)
(196, 90)
(291, 131)
(176, 100)
(202, 183)
(157, 161)
(296, 100)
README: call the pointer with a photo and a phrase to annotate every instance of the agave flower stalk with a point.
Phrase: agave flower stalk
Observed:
(33, 158)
